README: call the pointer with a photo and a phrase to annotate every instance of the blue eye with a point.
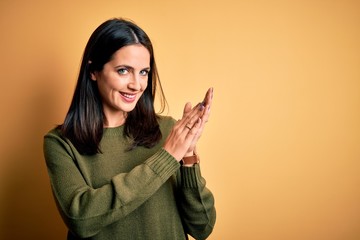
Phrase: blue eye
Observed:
(122, 71)
(144, 72)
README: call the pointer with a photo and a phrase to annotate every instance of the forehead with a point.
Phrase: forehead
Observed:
(132, 55)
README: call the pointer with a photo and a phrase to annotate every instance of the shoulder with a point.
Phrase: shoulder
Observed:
(166, 123)
(53, 133)
(54, 139)
(56, 146)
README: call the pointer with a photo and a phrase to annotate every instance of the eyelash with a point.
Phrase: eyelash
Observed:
(144, 72)
(123, 71)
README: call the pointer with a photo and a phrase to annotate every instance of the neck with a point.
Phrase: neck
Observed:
(114, 120)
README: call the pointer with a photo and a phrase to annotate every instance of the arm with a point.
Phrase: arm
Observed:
(87, 210)
(196, 203)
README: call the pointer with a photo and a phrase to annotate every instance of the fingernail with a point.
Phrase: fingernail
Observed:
(201, 106)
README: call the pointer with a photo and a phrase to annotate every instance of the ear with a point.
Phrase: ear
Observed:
(93, 76)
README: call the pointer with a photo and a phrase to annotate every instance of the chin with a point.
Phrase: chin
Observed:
(128, 108)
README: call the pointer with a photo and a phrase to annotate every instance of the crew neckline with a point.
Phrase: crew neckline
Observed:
(113, 131)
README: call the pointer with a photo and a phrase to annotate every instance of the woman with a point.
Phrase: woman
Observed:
(117, 169)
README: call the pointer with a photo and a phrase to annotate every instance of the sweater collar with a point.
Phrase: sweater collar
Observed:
(114, 131)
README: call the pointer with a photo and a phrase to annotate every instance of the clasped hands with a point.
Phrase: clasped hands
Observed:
(187, 131)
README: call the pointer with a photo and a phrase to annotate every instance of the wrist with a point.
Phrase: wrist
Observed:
(189, 154)
(189, 161)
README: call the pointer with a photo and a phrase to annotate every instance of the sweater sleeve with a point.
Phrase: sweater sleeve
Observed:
(196, 203)
(86, 210)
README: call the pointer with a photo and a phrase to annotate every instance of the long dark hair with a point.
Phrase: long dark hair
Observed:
(84, 122)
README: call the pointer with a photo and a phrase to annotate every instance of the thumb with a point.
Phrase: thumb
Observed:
(187, 108)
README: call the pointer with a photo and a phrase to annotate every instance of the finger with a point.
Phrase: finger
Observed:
(208, 96)
(193, 132)
(187, 109)
(192, 116)
(189, 121)
(208, 99)
(186, 113)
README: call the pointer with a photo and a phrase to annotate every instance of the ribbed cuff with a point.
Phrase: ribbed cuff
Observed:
(190, 176)
(163, 164)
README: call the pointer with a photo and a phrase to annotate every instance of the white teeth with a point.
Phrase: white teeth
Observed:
(128, 95)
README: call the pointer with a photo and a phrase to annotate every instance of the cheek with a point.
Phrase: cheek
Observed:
(103, 86)
(106, 88)
(113, 83)
(144, 84)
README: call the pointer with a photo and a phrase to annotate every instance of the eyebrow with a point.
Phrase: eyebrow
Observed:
(130, 67)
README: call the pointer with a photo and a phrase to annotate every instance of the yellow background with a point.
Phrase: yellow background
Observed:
(281, 151)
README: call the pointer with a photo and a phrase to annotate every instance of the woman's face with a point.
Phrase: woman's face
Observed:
(123, 80)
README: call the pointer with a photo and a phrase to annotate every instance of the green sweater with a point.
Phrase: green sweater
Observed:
(118, 194)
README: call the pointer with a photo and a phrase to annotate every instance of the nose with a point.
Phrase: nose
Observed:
(134, 83)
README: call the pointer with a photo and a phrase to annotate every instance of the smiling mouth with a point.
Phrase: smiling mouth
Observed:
(128, 96)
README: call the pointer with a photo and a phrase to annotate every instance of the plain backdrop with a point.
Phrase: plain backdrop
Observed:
(281, 152)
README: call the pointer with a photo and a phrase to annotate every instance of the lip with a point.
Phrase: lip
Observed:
(128, 97)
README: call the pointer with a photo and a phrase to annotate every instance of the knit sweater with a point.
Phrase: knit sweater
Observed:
(118, 194)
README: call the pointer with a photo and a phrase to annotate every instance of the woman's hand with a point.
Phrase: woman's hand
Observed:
(205, 117)
(183, 133)
(187, 131)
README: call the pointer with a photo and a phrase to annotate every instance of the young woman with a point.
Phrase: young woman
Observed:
(117, 169)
